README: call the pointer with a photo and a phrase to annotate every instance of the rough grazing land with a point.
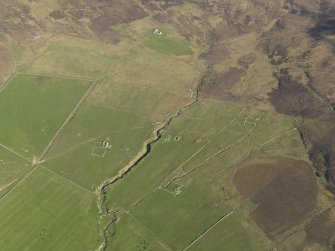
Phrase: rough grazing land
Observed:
(283, 189)
(221, 127)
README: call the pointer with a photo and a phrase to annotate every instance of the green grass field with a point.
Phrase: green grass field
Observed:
(170, 199)
(132, 236)
(229, 235)
(180, 217)
(77, 153)
(166, 44)
(33, 108)
(172, 154)
(185, 185)
(196, 115)
(12, 168)
(46, 212)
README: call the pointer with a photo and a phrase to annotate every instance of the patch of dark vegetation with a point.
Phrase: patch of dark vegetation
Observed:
(278, 54)
(298, 9)
(188, 28)
(218, 85)
(324, 23)
(246, 60)
(293, 98)
(115, 12)
(320, 157)
(321, 228)
(161, 4)
(99, 16)
(323, 28)
(215, 55)
(17, 21)
(321, 142)
(57, 14)
(283, 189)
(161, 18)
(280, 24)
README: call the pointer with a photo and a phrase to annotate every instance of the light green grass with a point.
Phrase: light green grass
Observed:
(228, 235)
(206, 193)
(72, 155)
(33, 108)
(12, 168)
(125, 116)
(131, 236)
(72, 56)
(45, 212)
(166, 43)
(180, 219)
(167, 156)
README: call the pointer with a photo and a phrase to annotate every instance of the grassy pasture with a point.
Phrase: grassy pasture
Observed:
(33, 108)
(12, 168)
(132, 236)
(74, 154)
(180, 211)
(165, 43)
(71, 56)
(46, 212)
(141, 95)
(228, 235)
(126, 63)
(168, 42)
(180, 219)
(126, 114)
(169, 154)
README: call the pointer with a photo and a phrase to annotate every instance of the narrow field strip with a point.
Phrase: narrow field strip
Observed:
(278, 136)
(201, 148)
(24, 178)
(163, 244)
(71, 149)
(17, 154)
(202, 163)
(209, 229)
(70, 181)
(54, 76)
(4, 187)
(68, 119)
(90, 140)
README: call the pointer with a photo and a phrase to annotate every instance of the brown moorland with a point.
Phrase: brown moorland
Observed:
(283, 189)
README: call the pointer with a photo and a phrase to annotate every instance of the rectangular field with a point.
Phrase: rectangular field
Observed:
(78, 154)
(229, 234)
(33, 108)
(46, 212)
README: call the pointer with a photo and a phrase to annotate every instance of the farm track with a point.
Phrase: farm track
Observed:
(209, 229)
(68, 120)
(144, 152)
(16, 153)
(7, 82)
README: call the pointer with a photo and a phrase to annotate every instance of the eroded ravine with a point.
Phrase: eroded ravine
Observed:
(143, 153)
